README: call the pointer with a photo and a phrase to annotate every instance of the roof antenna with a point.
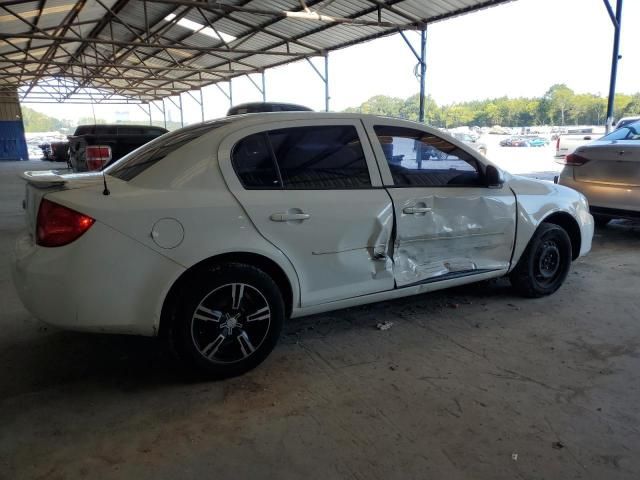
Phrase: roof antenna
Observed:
(104, 182)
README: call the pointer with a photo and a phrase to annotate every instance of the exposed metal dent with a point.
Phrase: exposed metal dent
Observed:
(453, 237)
(396, 293)
(368, 247)
(464, 230)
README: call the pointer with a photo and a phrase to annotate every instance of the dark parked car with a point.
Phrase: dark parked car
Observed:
(260, 107)
(514, 142)
(55, 151)
(92, 147)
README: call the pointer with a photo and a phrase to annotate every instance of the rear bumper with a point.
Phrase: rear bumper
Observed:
(102, 282)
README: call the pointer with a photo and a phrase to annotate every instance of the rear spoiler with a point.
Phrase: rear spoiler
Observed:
(43, 178)
(53, 178)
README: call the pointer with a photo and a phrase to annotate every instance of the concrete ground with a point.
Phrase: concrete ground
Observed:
(471, 383)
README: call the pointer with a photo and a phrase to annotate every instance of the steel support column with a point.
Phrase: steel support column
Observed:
(164, 113)
(181, 114)
(326, 82)
(201, 105)
(617, 25)
(260, 89)
(324, 78)
(421, 72)
(264, 88)
(228, 95)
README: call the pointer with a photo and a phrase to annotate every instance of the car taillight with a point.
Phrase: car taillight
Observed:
(58, 225)
(573, 160)
(97, 156)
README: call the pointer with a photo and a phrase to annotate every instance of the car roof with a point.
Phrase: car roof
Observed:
(251, 119)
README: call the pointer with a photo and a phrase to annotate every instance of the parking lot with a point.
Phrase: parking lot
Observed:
(471, 383)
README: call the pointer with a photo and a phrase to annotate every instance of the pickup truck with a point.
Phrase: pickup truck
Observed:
(576, 137)
(92, 147)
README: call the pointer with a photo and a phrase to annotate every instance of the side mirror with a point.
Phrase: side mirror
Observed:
(494, 177)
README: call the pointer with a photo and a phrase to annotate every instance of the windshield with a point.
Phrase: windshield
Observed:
(628, 132)
(138, 161)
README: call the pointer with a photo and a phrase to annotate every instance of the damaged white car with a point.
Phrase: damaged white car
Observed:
(215, 234)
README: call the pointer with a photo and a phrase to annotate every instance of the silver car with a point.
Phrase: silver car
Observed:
(607, 172)
(471, 141)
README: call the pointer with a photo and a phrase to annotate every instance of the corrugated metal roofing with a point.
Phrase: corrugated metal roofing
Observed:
(144, 50)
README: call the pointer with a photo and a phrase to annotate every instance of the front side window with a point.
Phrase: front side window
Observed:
(302, 158)
(420, 159)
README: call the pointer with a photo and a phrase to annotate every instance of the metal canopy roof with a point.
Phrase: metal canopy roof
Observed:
(137, 51)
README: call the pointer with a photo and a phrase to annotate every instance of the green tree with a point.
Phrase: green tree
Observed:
(560, 101)
(633, 107)
(39, 122)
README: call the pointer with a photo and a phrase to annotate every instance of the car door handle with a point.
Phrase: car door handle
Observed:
(289, 217)
(414, 210)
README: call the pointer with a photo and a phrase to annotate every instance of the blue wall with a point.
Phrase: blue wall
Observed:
(13, 145)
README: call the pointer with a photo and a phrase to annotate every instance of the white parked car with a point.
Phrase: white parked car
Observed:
(607, 172)
(215, 234)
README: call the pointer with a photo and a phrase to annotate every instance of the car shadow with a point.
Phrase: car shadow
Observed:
(131, 363)
(58, 358)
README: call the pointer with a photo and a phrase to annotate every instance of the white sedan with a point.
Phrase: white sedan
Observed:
(215, 234)
(607, 172)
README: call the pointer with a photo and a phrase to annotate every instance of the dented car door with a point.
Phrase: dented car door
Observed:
(313, 189)
(448, 222)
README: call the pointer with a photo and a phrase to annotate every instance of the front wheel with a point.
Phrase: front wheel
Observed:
(544, 265)
(227, 321)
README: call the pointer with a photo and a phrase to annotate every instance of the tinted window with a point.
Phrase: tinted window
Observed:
(106, 130)
(320, 157)
(132, 165)
(254, 164)
(302, 158)
(131, 130)
(628, 132)
(84, 130)
(418, 158)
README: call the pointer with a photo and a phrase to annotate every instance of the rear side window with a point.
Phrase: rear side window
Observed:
(253, 162)
(84, 130)
(131, 131)
(106, 130)
(130, 166)
(303, 158)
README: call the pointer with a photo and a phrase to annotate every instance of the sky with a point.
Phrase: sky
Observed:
(515, 49)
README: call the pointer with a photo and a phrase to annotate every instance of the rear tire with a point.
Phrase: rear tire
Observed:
(545, 263)
(226, 320)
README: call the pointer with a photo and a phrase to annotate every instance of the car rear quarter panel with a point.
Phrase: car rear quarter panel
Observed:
(187, 188)
(102, 282)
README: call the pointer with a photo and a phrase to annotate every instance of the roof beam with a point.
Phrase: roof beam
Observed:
(101, 41)
(304, 14)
